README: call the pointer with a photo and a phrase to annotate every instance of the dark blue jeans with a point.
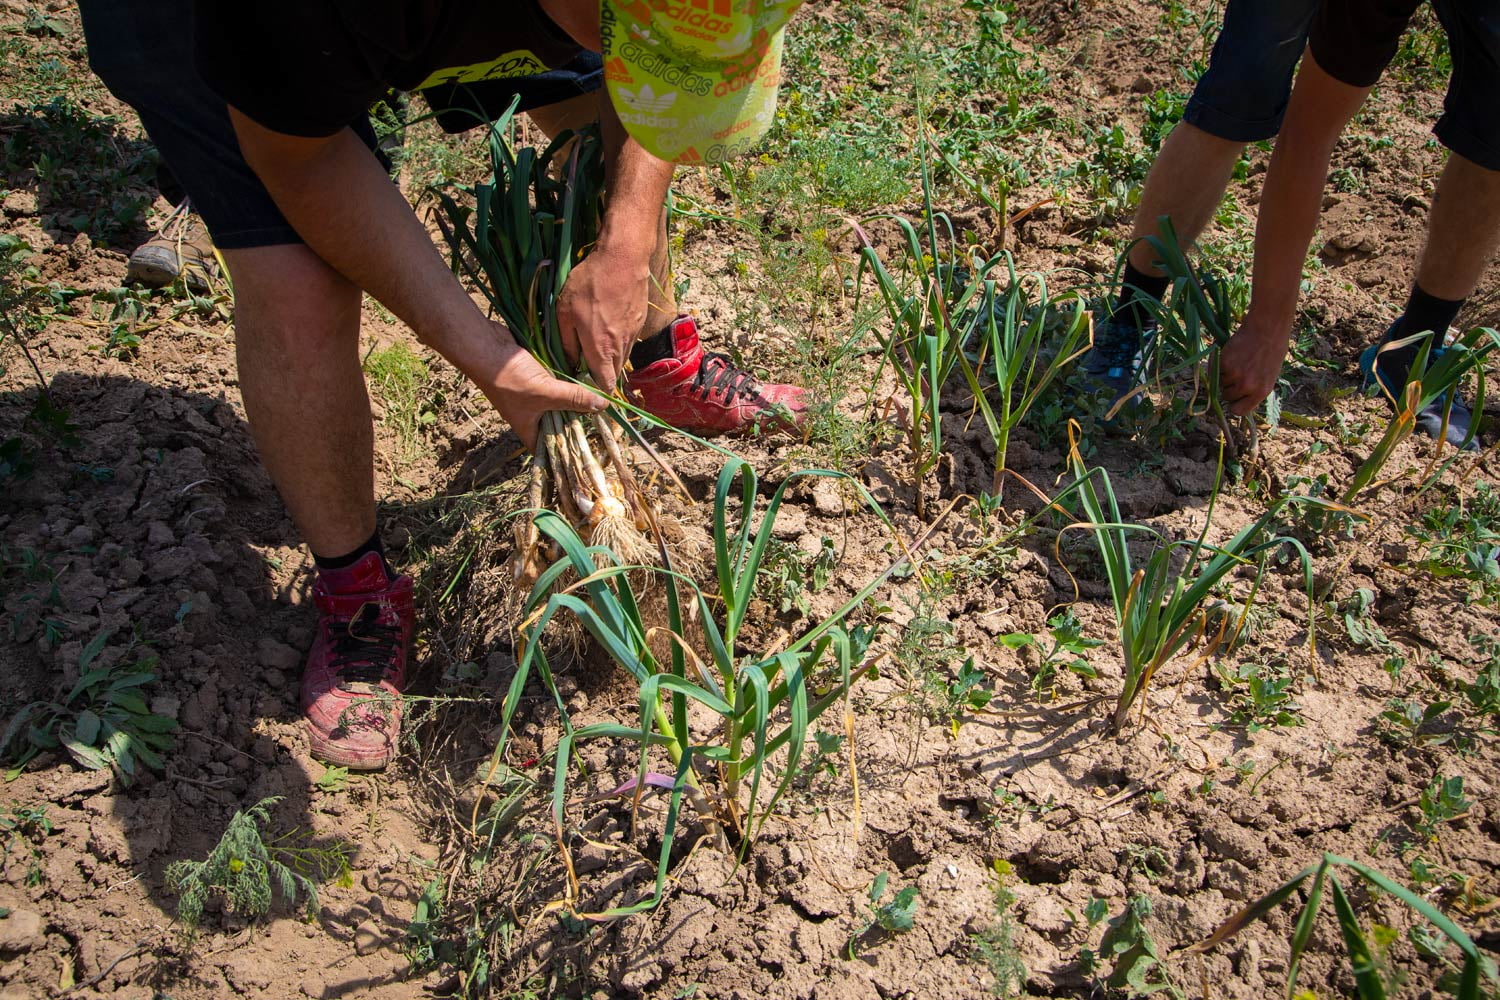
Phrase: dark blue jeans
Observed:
(143, 51)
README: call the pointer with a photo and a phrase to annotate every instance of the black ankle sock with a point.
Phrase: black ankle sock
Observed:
(373, 544)
(1137, 285)
(653, 348)
(1424, 313)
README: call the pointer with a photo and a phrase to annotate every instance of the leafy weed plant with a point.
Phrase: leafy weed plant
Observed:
(1483, 693)
(245, 868)
(1441, 802)
(895, 916)
(789, 577)
(1066, 652)
(1463, 540)
(1135, 965)
(1353, 613)
(102, 722)
(1260, 695)
(1411, 723)
(25, 829)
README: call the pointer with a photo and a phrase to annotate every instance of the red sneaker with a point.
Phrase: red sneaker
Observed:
(704, 393)
(351, 690)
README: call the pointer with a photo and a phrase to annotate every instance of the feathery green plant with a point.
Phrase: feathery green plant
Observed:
(244, 868)
(1462, 980)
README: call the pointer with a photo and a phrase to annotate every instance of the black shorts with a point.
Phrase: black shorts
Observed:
(143, 51)
(1353, 40)
(1243, 94)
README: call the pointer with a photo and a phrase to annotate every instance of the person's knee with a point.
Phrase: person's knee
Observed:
(574, 113)
(290, 301)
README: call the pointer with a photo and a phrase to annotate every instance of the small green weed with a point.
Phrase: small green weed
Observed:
(897, 916)
(966, 692)
(1115, 170)
(789, 577)
(1260, 695)
(1315, 524)
(36, 597)
(1463, 540)
(1359, 625)
(1127, 947)
(403, 382)
(1066, 651)
(244, 868)
(102, 722)
(90, 178)
(1409, 722)
(25, 828)
(423, 946)
(940, 678)
(1441, 802)
(1483, 692)
(995, 946)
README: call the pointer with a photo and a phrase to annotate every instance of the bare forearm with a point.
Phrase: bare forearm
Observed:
(637, 185)
(1320, 108)
(608, 302)
(349, 213)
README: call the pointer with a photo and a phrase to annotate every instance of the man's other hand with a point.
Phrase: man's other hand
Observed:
(1250, 364)
(601, 311)
(522, 391)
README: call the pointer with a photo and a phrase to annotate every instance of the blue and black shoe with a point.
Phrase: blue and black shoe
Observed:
(1114, 362)
(1429, 417)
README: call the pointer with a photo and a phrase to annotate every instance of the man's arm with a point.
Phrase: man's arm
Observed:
(1320, 108)
(603, 306)
(336, 195)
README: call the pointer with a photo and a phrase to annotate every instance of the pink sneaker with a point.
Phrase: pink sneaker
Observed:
(351, 690)
(704, 393)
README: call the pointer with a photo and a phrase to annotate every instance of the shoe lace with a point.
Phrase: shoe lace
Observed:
(1121, 344)
(364, 649)
(718, 372)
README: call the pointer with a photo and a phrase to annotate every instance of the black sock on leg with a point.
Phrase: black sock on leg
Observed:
(1136, 286)
(1424, 313)
(373, 544)
(653, 348)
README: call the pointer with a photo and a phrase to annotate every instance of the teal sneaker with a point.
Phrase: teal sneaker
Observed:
(1429, 417)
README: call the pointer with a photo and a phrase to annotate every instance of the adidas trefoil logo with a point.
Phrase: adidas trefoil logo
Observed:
(646, 100)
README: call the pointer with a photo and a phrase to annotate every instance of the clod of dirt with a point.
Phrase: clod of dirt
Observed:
(21, 931)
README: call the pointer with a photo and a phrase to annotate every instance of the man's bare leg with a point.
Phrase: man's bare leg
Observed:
(1186, 183)
(1463, 233)
(297, 346)
(1463, 230)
